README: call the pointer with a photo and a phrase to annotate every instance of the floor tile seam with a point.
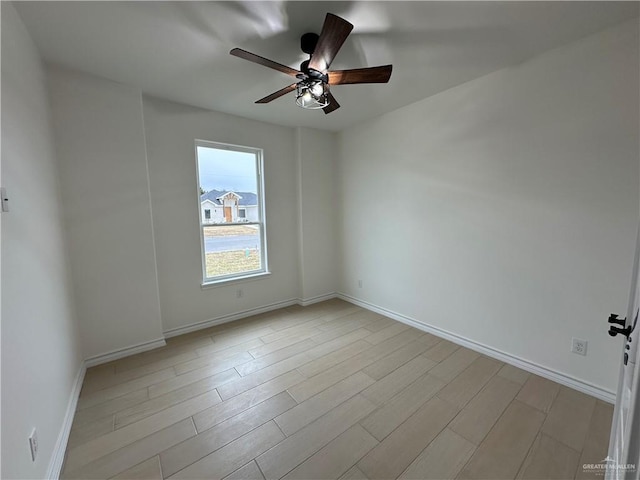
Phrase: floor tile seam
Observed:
(244, 411)
(520, 471)
(500, 416)
(103, 416)
(301, 337)
(313, 453)
(214, 451)
(222, 446)
(350, 467)
(482, 388)
(112, 452)
(173, 368)
(217, 352)
(267, 366)
(194, 381)
(361, 369)
(329, 411)
(579, 452)
(426, 372)
(171, 406)
(154, 413)
(348, 358)
(409, 417)
(263, 382)
(284, 390)
(421, 451)
(524, 458)
(399, 366)
(96, 392)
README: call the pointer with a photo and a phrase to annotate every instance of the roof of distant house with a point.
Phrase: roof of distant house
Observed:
(246, 198)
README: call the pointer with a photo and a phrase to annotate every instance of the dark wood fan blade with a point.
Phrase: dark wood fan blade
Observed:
(334, 32)
(252, 57)
(333, 104)
(361, 75)
(278, 94)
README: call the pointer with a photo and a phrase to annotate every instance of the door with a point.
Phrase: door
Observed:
(624, 445)
(227, 214)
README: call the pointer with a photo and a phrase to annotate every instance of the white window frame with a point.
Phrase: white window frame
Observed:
(261, 222)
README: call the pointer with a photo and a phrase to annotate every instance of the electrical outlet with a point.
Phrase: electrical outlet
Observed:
(579, 346)
(33, 444)
(359, 283)
(239, 293)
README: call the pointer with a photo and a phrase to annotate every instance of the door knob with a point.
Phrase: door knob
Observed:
(613, 318)
(613, 331)
(626, 331)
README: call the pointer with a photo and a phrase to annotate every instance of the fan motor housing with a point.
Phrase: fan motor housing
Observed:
(308, 42)
(311, 73)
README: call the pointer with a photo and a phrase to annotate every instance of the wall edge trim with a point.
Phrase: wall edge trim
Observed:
(514, 360)
(174, 332)
(124, 352)
(57, 457)
(303, 302)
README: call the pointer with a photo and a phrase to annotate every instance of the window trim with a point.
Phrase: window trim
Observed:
(262, 220)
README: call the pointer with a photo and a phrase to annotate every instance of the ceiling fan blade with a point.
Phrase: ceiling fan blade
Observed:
(252, 57)
(333, 104)
(334, 32)
(361, 75)
(278, 94)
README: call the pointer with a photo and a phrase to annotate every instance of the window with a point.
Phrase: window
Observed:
(233, 240)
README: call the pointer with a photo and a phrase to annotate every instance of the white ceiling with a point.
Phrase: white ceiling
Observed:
(180, 50)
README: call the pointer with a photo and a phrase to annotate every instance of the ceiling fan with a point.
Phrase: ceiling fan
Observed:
(312, 91)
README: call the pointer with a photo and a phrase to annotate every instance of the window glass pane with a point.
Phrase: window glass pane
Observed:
(228, 179)
(231, 249)
(231, 208)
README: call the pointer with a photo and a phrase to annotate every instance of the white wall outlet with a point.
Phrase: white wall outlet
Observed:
(359, 283)
(239, 293)
(33, 444)
(579, 346)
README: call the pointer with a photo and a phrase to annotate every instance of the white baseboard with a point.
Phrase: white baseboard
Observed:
(124, 352)
(57, 458)
(174, 332)
(318, 298)
(519, 362)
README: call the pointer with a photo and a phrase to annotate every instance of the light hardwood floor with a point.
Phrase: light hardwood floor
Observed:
(323, 392)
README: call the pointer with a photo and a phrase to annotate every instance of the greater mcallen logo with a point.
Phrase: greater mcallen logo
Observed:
(608, 464)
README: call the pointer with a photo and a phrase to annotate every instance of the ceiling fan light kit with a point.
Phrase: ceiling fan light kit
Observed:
(312, 90)
(312, 95)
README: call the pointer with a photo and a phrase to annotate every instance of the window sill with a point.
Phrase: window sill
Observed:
(228, 281)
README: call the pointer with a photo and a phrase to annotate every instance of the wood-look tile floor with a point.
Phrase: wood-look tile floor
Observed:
(325, 392)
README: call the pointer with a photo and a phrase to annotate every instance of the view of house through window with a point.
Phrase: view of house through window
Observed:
(231, 210)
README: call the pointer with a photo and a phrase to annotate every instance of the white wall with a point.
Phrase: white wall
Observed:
(251, 213)
(109, 201)
(101, 151)
(171, 129)
(40, 347)
(317, 212)
(505, 210)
